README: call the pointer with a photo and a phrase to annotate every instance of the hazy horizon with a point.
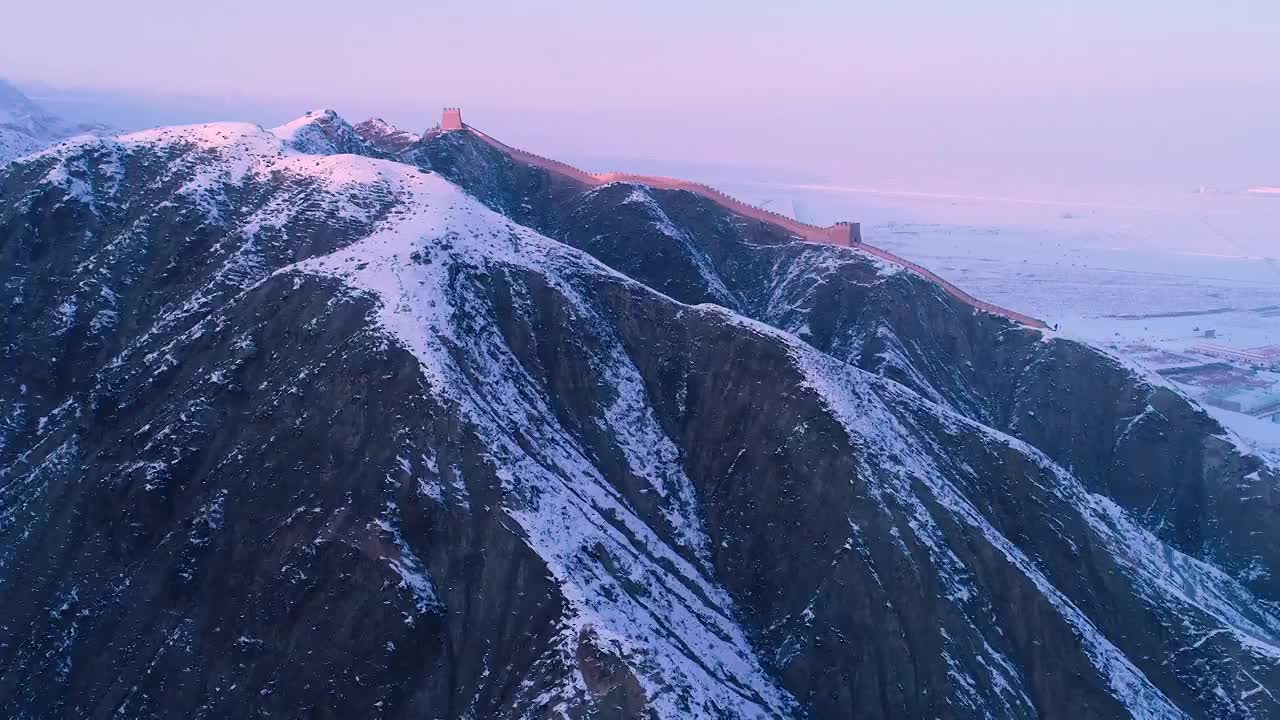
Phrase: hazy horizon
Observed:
(995, 97)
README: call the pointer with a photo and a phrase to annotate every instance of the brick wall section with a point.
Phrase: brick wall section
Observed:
(845, 234)
(954, 291)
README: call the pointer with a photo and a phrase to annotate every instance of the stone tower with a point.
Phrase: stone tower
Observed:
(451, 119)
(845, 233)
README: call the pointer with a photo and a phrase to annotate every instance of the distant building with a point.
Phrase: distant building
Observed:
(1265, 358)
(1258, 402)
(1271, 413)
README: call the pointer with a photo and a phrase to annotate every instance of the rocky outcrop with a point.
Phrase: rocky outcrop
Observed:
(324, 132)
(386, 137)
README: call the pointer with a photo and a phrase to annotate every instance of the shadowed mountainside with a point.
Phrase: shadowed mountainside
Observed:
(430, 432)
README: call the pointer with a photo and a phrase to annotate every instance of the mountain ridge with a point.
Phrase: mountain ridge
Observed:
(620, 455)
(840, 233)
(25, 127)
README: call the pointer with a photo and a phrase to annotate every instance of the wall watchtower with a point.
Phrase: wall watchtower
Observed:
(845, 233)
(451, 119)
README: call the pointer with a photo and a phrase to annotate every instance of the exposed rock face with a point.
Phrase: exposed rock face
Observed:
(324, 132)
(332, 436)
(386, 137)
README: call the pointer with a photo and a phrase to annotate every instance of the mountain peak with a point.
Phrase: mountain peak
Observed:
(322, 132)
(379, 125)
(385, 136)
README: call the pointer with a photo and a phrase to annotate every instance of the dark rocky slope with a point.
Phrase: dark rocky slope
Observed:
(322, 436)
(1123, 432)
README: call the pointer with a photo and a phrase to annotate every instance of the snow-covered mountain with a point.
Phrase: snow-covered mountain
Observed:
(25, 127)
(300, 424)
(387, 137)
(323, 132)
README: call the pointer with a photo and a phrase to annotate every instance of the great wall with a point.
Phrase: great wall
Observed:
(841, 233)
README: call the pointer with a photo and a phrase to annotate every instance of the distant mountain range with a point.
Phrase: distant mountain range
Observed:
(26, 128)
(335, 421)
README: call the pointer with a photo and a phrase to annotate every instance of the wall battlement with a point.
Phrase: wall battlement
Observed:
(848, 234)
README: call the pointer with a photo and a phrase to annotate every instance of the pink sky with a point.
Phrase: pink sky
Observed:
(927, 94)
